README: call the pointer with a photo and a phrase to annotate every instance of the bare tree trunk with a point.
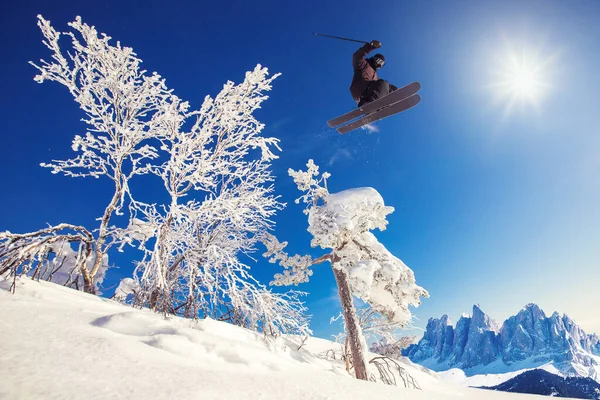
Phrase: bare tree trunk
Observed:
(88, 277)
(353, 332)
(347, 354)
(153, 299)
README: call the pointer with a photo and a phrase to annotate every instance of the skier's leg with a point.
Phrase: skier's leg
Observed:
(374, 91)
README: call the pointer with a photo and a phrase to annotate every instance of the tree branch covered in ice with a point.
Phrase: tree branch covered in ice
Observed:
(47, 254)
(341, 223)
(296, 268)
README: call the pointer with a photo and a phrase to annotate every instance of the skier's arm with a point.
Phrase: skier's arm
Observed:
(392, 88)
(358, 59)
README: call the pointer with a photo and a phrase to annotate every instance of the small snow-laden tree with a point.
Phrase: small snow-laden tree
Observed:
(125, 109)
(362, 266)
(377, 326)
(207, 279)
(383, 333)
(218, 177)
(258, 308)
(392, 347)
(378, 329)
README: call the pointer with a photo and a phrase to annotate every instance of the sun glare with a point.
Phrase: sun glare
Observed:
(520, 77)
(524, 79)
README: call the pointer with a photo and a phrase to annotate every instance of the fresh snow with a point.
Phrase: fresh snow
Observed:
(348, 205)
(57, 343)
(491, 374)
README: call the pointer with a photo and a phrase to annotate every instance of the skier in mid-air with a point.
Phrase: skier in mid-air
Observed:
(366, 85)
(376, 98)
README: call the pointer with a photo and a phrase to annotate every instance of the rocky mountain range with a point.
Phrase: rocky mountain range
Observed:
(527, 340)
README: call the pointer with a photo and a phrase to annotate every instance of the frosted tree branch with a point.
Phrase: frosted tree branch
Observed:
(47, 254)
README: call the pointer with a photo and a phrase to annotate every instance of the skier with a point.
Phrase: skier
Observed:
(366, 85)
(376, 98)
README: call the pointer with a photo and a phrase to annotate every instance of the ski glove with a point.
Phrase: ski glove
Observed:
(375, 44)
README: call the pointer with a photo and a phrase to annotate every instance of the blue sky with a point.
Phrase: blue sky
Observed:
(495, 205)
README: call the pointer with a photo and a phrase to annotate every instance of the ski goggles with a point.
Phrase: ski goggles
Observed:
(379, 62)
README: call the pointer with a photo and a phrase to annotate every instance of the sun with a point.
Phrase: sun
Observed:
(520, 77)
(524, 82)
(524, 78)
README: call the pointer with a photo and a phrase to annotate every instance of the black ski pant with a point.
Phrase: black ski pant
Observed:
(374, 90)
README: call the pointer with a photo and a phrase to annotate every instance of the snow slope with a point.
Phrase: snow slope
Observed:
(57, 343)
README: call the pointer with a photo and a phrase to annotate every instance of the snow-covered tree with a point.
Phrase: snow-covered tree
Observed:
(362, 266)
(218, 178)
(124, 106)
(215, 168)
(221, 196)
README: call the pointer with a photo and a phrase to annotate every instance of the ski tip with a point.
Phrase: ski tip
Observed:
(412, 101)
(415, 86)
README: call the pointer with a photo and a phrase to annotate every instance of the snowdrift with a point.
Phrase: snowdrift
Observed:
(57, 343)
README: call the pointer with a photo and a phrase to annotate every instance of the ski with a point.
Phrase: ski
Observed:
(395, 96)
(395, 108)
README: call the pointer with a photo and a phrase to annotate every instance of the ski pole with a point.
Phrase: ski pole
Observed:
(340, 38)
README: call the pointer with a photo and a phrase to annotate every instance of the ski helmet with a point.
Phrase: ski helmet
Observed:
(377, 61)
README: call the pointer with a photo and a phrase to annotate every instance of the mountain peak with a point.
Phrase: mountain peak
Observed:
(535, 310)
(482, 321)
